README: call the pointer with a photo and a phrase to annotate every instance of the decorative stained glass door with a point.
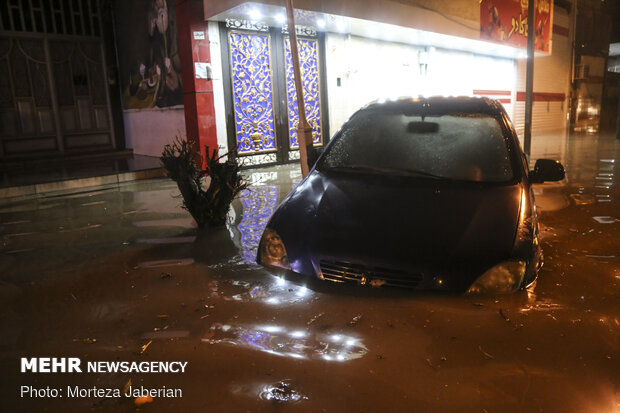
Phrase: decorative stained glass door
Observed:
(262, 102)
(252, 90)
(309, 64)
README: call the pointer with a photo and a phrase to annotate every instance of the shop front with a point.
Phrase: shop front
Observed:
(345, 63)
(352, 54)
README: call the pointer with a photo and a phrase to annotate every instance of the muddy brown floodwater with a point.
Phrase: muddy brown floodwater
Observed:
(123, 275)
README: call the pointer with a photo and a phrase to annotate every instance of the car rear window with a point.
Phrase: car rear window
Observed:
(459, 146)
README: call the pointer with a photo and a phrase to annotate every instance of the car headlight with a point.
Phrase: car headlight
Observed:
(502, 278)
(271, 250)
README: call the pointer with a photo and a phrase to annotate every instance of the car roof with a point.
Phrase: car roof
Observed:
(439, 104)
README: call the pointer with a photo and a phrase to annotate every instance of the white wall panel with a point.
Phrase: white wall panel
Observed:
(218, 87)
(148, 130)
(367, 70)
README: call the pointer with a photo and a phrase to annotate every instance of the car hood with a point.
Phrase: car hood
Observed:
(403, 222)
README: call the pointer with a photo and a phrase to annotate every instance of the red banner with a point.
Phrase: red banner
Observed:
(505, 21)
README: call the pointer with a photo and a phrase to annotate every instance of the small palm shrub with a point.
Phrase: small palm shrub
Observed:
(208, 207)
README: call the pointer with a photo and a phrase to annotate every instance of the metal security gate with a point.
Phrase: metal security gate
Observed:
(262, 102)
(53, 89)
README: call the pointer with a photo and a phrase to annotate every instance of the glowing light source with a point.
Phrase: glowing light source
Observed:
(255, 14)
(280, 18)
(320, 23)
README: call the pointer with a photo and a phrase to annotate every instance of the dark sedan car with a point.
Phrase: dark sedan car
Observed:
(430, 194)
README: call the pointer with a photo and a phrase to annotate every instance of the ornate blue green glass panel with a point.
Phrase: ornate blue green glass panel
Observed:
(309, 62)
(250, 62)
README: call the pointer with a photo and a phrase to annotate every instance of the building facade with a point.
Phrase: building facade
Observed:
(100, 75)
(358, 56)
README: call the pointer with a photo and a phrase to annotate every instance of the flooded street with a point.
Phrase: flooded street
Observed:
(124, 275)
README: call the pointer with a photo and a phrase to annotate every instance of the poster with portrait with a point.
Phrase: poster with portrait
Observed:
(505, 21)
(150, 68)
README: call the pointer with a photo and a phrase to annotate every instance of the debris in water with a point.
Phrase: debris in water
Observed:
(281, 392)
(504, 316)
(316, 317)
(355, 320)
(144, 347)
(165, 275)
(442, 359)
(487, 355)
(127, 387)
(430, 364)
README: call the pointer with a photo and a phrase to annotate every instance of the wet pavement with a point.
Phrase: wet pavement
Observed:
(122, 274)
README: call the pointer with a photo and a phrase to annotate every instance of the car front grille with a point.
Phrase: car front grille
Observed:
(344, 272)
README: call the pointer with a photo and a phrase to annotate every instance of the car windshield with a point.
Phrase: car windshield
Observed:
(454, 146)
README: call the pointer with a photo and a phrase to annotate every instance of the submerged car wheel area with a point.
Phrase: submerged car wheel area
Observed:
(429, 194)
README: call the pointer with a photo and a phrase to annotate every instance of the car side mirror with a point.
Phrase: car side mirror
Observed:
(547, 170)
(313, 155)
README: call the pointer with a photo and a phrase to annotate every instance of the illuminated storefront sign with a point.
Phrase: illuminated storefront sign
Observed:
(505, 21)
